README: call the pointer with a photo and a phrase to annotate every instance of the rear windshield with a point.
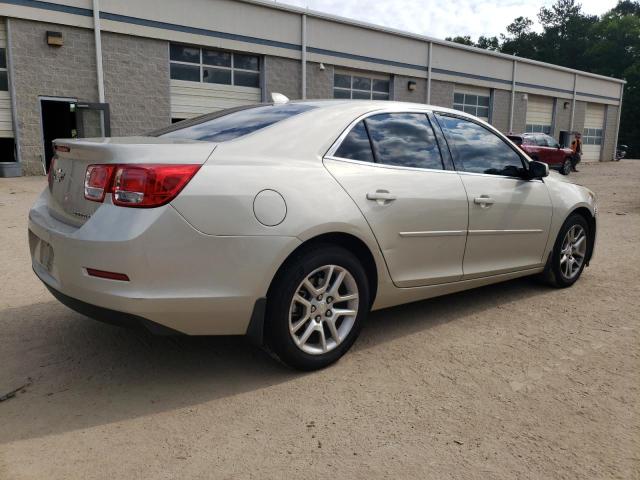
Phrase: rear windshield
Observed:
(232, 123)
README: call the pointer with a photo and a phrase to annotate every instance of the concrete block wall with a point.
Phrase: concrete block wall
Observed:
(401, 92)
(283, 75)
(442, 93)
(578, 117)
(562, 117)
(136, 82)
(319, 82)
(519, 113)
(501, 109)
(41, 70)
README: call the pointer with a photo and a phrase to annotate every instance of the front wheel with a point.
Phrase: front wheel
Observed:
(567, 166)
(316, 308)
(569, 255)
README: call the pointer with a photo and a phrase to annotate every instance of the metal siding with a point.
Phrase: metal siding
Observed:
(593, 118)
(6, 119)
(190, 99)
(539, 110)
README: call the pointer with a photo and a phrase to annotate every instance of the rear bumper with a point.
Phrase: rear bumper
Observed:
(111, 317)
(180, 279)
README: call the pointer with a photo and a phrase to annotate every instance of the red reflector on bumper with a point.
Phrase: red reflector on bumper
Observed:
(108, 275)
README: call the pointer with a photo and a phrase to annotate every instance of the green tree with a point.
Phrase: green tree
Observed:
(464, 40)
(608, 45)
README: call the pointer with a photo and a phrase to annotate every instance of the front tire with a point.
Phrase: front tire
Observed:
(316, 307)
(567, 166)
(569, 255)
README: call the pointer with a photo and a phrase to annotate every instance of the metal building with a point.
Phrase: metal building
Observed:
(120, 67)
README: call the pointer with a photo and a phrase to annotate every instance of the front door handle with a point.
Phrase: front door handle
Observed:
(383, 197)
(483, 200)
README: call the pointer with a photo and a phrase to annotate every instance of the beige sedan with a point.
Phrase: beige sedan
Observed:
(289, 222)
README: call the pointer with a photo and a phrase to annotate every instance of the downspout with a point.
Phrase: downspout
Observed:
(513, 95)
(573, 103)
(304, 57)
(429, 62)
(98, 40)
(615, 144)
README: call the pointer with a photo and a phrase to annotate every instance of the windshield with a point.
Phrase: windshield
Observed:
(233, 123)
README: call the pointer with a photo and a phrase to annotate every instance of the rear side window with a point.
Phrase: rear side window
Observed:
(405, 140)
(478, 150)
(356, 145)
(233, 123)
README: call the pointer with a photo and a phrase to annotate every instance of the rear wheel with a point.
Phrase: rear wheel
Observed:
(316, 308)
(569, 253)
(567, 166)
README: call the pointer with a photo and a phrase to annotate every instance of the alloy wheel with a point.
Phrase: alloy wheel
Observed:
(573, 252)
(323, 309)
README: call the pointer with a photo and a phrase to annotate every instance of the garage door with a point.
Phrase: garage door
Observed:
(592, 134)
(205, 80)
(6, 124)
(473, 100)
(539, 114)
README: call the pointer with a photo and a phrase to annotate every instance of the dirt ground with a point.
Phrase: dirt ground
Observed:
(510, 381)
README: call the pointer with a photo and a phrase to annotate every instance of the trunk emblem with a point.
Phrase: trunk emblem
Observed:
(58, 175)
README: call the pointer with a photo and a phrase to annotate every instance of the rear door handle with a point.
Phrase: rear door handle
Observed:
(381, 196)
(483, 200)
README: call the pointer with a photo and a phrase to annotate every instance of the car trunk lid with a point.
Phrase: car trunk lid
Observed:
(66, 177)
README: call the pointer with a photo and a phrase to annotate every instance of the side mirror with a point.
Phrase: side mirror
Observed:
(538, 169)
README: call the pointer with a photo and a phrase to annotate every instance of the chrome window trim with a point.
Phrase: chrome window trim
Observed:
(384, 165)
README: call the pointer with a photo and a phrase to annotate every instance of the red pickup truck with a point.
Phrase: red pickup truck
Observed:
(544, 148)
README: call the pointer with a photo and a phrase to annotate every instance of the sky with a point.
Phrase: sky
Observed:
(442, 18)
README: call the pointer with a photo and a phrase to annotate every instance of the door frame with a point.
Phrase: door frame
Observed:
(43, 157)
(106, 117)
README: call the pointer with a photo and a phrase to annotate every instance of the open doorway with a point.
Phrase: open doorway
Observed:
(58, 121)
(68, 118)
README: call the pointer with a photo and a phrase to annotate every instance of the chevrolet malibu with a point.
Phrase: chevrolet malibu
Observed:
(289, 222)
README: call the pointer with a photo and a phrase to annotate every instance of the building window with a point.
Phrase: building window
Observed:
(477, 105)
(536, 128)
(592, 136)
(360, 87)
(4, 82)
(207, 65)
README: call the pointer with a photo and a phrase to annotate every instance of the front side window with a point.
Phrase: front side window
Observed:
(232, 123)
(404, 139)
(592, 136)
(4, 82)
(479, 150)
(206, 65)
(477, 105)
(360, 87)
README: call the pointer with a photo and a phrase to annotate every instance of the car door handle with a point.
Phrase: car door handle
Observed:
(483, 200)
(381, 196)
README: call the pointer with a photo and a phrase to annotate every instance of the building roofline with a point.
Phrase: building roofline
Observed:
(401, 33)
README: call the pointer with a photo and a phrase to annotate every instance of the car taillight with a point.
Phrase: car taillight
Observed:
(138, 185)
(97, 182)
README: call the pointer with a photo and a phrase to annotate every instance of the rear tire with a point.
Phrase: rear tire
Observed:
(316, 307)
(567, 166)
(569, 256)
